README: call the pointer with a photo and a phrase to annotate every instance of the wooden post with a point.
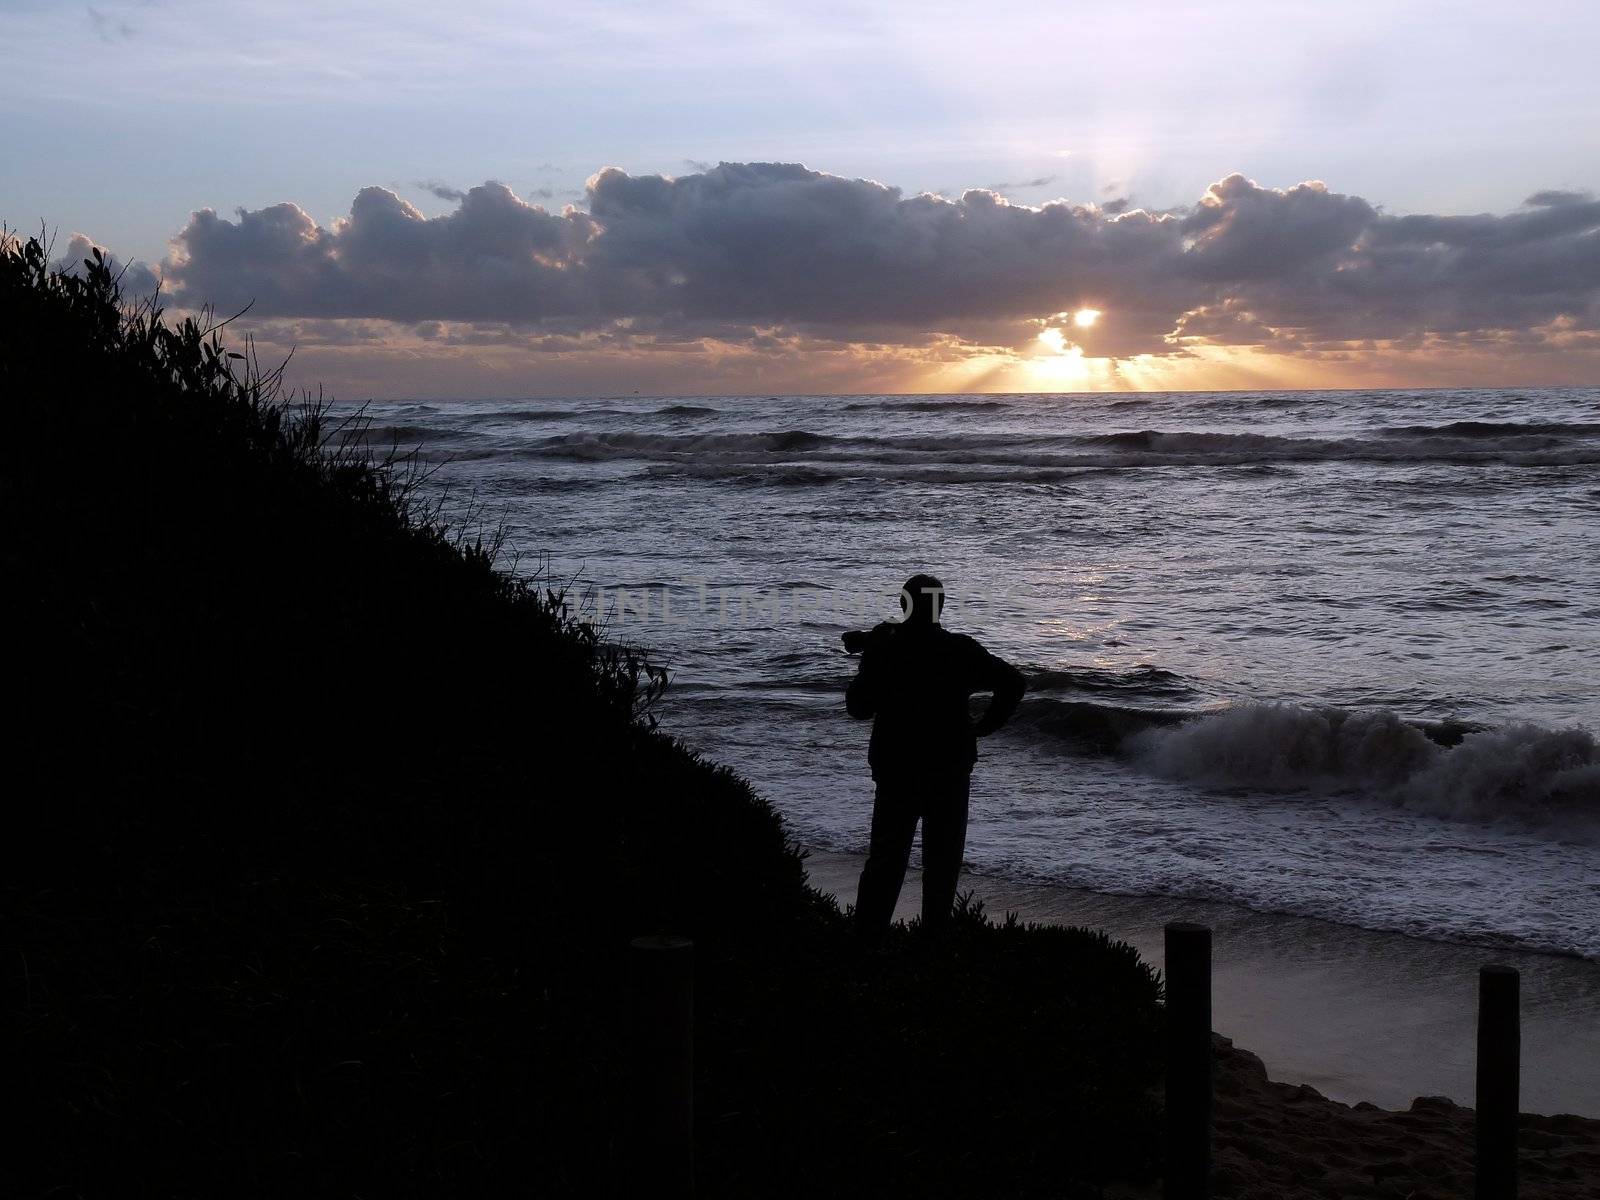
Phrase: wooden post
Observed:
(660, 1138)
(1189, 1062)
(1499, 1066)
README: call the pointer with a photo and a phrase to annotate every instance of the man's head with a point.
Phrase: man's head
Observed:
(922, 600)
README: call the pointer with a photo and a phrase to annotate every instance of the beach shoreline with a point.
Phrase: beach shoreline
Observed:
(1364, 1017)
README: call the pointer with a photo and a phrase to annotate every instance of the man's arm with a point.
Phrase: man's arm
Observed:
(861, 698)
(1007, 683)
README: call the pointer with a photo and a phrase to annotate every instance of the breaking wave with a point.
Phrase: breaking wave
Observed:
(1092, 725)
(1098, 708)
(1520, 771)
(1142, 681)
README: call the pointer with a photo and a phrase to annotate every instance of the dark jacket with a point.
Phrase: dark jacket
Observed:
(914, 682)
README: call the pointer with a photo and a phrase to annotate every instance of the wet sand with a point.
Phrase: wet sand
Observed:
(1358, 1015)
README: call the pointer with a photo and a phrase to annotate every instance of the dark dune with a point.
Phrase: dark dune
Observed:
(328, 839)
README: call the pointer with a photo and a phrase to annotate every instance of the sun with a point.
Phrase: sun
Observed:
(1085, 317)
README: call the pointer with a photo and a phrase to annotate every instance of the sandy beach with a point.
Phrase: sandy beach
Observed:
(1375, 1030)
(1358, 1015)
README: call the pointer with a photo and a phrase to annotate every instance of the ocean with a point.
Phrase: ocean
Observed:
(1324, 653)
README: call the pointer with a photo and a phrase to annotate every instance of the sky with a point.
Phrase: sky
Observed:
(497, 199)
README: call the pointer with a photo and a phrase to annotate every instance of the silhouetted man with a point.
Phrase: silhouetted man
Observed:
(914, 683)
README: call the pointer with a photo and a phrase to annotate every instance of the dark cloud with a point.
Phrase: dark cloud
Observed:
(1024, 185)
(441, 190)
(108, 28)
(756, 247)
(1229, 324)
(1553, 198)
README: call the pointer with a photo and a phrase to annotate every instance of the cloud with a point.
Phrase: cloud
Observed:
(1553, 199)
(1025, 184)
(138, 280)
(441, 190)
(741, 250)
(108, 28)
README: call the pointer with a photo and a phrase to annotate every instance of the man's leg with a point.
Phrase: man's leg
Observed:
(894, 822)
(944, 840)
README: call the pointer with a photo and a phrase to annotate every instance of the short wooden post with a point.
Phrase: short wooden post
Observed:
(1499, 1068)
(1189, 1062)
(660, 1136)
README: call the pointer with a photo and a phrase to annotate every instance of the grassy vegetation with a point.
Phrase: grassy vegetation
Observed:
(326, 837)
